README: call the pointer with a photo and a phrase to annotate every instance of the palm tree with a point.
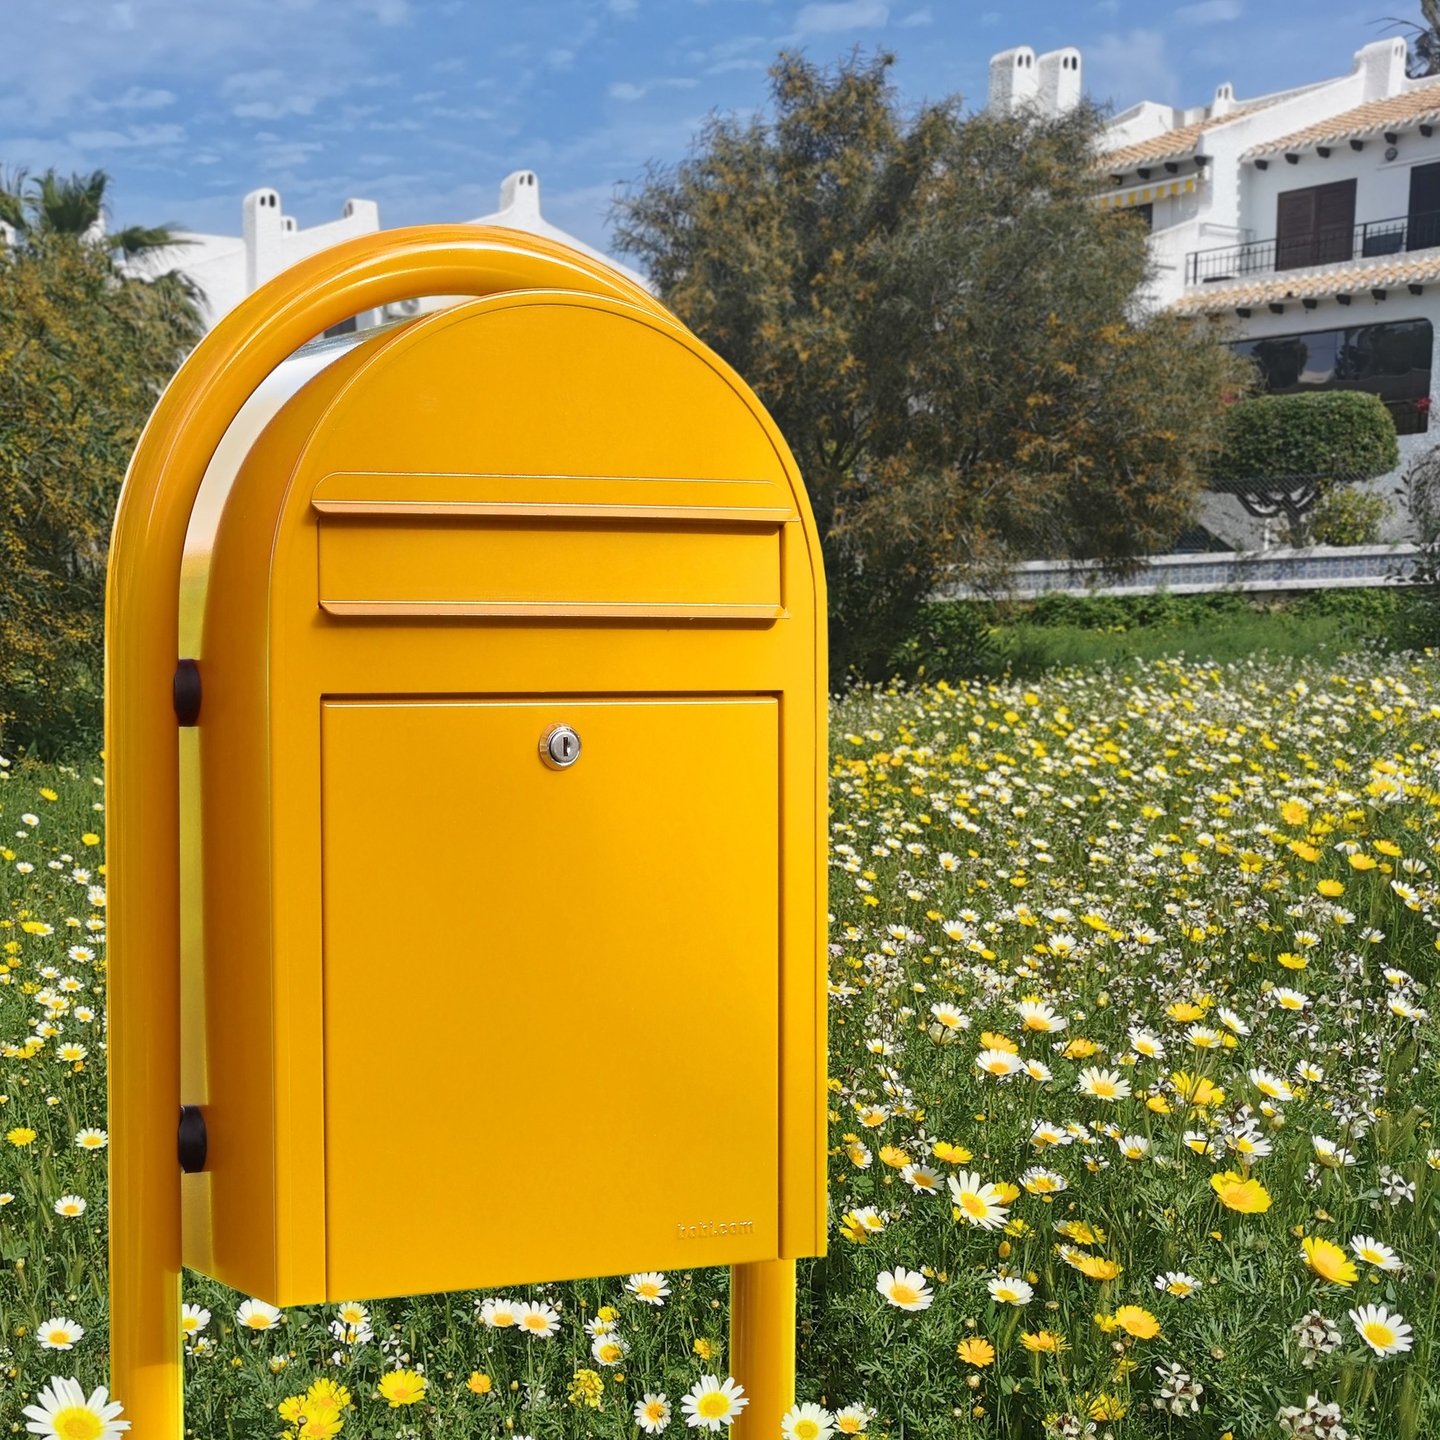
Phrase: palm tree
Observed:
(75, 205)
(1424, 58)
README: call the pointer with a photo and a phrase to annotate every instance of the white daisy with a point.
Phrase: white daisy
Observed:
(64, 1413)
(712, 1403)
(905, 1289)
(652, 1413)
(59, 1334)
(807, 1422)
(257, 1315)
(537, 1319)
(1384, 1331)
(649, 1286)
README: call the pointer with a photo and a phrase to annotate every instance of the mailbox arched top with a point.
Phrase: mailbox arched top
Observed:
(527, 409)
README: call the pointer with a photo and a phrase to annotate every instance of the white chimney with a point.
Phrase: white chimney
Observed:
(1014, 80)
(520, 196)
(1224, 101)
(1059, 84)
(264, 225)
(1381, 66)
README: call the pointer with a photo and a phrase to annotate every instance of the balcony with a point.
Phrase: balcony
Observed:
(1397, 236)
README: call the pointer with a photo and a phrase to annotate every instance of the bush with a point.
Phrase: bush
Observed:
(1335, 434)
(1348, 516)
(84, 353)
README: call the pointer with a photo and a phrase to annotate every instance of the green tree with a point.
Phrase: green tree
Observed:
(943, 324)
(1300, 455)
(84, 353)
(51, 204)
(1424, 40)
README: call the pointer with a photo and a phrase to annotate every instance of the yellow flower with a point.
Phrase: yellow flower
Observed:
(894, 1156)
(1362, 862)
(1249, 1197)
(48, 795)
(703, 1348)
(993, 1040)
(1183, 1012)
(402, 1387)
(1292, 961)
(1136, 1321)
(1304, 851)
(976, 1351)
(1294, 812)
(1332, 888)
(1388, 847)
(329, 1396)
(1328, 1260)
(950, 1154)
(1080, 1049)
(479, 1383)
(587, 1388)
(89, 838)
(1199, 1091)
(1096, 1267)
(20, 1136)
(1081, 1233)
(1043, 1342)
(1107, 1407)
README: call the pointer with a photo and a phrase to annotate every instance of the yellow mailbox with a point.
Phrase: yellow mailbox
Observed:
(477, 921)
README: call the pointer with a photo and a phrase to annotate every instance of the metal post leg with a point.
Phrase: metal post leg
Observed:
(762, 1344)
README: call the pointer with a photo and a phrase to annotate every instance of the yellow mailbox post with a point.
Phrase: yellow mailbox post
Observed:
(522, 599)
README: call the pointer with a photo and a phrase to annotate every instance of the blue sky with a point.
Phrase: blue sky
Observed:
(424, 105)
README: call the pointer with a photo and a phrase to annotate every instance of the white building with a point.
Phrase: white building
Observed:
(226, 268)
(1308, 221)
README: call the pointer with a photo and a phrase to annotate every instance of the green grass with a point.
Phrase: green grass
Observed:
(1141, 850)
(1029, 650)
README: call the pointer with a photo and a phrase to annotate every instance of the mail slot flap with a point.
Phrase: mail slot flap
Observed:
(579, 497)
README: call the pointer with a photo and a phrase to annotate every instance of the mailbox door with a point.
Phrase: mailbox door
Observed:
(554, 1055)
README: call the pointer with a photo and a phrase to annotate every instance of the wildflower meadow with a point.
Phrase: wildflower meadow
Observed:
(1133, 1091)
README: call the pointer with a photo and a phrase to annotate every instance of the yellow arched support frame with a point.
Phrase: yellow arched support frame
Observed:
(142, 612)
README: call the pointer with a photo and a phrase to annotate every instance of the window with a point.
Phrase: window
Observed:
(1146, 214)
(1424, 217)
(1315, 226)
(1388, 360)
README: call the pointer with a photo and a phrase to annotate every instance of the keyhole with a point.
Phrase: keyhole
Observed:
(560, 747)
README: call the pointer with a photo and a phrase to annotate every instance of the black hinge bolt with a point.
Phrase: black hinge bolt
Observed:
(193, 1142)
(187, 693)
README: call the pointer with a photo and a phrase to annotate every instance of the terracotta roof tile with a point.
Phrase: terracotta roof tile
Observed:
(1351, 278)
(1408, 109)
(1172, 143)
(1179, 141)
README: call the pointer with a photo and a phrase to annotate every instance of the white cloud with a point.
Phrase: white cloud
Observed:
(1130, 67)
(388, 12)
(623, 8)
(628, 90)
(842, 15)
(139, 97)
(275, 109)
(918, 17)
(1210, 12)
(136, 137)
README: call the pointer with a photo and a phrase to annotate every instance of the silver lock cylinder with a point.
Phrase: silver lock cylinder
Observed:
(559, 747)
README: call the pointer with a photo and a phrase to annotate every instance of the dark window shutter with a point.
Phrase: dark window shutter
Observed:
(1334, 222)
(1294, 229)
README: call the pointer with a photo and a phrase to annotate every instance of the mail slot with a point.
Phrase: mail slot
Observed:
(502, 891)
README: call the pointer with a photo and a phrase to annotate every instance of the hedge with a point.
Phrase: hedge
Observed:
(1335, 434)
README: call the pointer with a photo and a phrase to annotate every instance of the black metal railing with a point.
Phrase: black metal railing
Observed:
(1331, 246)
